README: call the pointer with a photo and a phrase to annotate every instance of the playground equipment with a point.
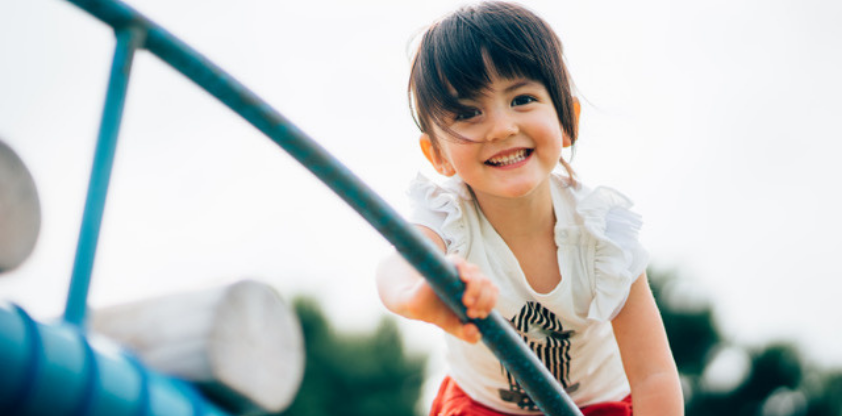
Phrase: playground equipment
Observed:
(144, 392)
(240, 343)
(59, 370)
(20, 210)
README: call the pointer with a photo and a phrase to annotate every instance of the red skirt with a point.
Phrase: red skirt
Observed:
(452, 401)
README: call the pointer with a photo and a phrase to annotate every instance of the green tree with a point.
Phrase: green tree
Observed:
(354, 374)
(776, 382)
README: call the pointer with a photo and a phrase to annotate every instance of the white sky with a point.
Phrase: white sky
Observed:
(719, 118)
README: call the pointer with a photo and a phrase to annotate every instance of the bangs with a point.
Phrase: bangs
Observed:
(459, 55)
(469, 50)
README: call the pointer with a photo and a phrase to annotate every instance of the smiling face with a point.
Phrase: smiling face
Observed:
(459, 54)
(504, 143)
(491, 94)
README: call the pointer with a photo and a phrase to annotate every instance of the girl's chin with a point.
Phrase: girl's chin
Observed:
(512, 190)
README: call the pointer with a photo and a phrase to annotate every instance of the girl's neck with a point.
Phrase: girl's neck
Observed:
(526, 217)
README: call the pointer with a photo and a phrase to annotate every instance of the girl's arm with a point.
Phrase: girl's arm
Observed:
(647, 359)
(405, 292)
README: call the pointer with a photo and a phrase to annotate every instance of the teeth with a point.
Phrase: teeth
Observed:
(508, 159)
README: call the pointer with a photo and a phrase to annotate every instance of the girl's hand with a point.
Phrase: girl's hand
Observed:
(479, 299)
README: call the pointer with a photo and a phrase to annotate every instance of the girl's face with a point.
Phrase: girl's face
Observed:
(515, 140)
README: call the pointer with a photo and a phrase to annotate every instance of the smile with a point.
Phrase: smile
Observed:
(509, 159)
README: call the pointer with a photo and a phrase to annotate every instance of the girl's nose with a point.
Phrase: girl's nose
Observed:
(501, 127)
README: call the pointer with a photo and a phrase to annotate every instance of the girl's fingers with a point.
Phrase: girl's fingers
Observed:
(473, 289)
(466, 332)
(485, 301)
(451, 324)
(480, 294)
(470, 333)
(479, 298)
(463, 269)
(423, 304)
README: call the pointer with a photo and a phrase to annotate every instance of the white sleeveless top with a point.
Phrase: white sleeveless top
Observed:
(568, 328)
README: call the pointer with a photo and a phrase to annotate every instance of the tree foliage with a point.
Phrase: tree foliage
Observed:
(776, 381)
(354, 374)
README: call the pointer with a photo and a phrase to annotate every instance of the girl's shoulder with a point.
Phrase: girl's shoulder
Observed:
(601, 202)
(441, 206)
(425, 190)
(609, 231)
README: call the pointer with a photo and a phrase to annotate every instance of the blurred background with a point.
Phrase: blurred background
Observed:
(719, 119)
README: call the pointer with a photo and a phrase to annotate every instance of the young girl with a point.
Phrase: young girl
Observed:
(492, 98)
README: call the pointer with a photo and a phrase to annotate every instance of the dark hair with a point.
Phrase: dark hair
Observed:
(458, 55)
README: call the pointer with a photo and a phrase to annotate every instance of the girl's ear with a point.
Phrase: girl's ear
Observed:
(577, 108)
(441, 164)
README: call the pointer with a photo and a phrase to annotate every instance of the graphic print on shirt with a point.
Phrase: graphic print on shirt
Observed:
(546, 337)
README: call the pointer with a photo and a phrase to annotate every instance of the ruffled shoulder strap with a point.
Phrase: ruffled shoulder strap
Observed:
(441, 207)
(617, 258)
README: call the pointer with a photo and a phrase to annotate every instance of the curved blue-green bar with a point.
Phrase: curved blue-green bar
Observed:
(56, 370)
(498, 335)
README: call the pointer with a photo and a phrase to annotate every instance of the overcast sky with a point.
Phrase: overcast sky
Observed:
(720, 119)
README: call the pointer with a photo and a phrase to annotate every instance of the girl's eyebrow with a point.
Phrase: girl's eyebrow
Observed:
(518, 84)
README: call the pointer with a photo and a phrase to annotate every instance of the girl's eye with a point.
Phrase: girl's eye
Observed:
(523, 100)
(467, 115)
